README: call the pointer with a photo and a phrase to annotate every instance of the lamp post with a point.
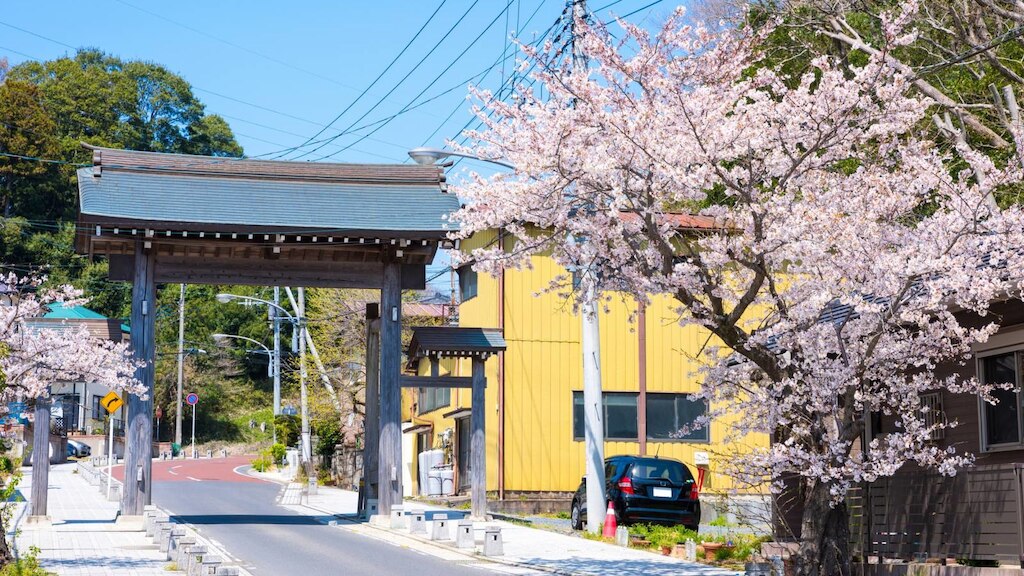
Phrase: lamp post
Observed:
(273, 369)
(278, 310)
(590, 342)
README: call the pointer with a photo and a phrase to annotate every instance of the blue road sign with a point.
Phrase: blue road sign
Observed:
(192, 399)
(289, 410)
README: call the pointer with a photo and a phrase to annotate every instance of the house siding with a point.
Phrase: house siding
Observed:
(543, 367)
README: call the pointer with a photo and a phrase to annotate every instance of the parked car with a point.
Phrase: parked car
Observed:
(78, 449)
(641, 489)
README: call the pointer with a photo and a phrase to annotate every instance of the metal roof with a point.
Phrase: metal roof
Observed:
(135, 188)
(62, 310)
(454, 341)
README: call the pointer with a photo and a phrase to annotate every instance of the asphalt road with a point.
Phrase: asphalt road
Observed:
(241, 514)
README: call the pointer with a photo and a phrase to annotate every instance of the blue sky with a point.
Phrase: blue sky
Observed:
(280, 72)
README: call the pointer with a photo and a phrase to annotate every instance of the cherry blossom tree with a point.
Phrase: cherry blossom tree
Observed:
(832, 251)
(32, 358)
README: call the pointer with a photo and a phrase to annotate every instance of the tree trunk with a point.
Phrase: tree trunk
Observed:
(825, 535)
(6, 557)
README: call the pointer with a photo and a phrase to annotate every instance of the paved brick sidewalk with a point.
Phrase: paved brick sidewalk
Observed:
(83, 538)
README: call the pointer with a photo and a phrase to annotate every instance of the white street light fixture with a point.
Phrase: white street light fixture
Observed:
(430, 156)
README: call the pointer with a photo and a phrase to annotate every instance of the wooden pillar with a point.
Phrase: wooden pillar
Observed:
(389, 462)
(478, 442)
(40, 455)
(138, 451)
(371, 419)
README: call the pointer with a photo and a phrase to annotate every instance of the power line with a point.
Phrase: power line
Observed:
(31, 33)
(404, 78)
(38, 159)
(432, 82)
(239, 46)
(379, 76)
(502, 59)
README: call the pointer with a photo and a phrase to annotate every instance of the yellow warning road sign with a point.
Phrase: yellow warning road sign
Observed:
(112, 402)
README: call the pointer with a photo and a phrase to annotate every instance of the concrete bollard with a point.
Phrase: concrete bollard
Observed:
(165, 544)
(209, 565)
(440, 529)
(149, 513)
(464, 534)
(492, 541)
(417, 522)
(209, 453)
(397, 517)
(154, 526)
(172, 542)
(163, 534)
(223, 453)
(193, 558)
(178, 547)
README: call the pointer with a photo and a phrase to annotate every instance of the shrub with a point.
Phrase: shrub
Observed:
(277, 454)
(261, 464)
(27, 565)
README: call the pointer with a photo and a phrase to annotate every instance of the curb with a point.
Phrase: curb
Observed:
(200, 538)
(451, 549)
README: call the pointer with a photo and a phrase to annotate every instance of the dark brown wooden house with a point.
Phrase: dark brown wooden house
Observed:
(977, 514)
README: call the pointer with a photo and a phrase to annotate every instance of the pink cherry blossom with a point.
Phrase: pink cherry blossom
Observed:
(849, 244)
(33, 358)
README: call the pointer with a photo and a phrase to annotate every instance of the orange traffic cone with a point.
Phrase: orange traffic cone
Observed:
(610, 525)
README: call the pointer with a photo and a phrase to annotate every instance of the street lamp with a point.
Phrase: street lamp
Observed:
(590, 343)
(430, 156)
(219, 338)
(224, 298)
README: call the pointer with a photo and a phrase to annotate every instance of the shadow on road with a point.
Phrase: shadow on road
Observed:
(282, 519)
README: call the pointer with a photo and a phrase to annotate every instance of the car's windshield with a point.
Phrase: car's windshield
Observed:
(660, 470)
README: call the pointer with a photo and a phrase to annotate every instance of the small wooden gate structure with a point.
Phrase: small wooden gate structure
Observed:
(436, 342)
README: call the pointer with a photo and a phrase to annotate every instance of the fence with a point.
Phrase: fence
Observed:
(977, 514)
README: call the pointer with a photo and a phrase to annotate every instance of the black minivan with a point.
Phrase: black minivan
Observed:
(641, 489)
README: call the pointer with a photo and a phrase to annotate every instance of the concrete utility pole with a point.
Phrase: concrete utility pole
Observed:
(593, 404)
(272, 312)
(181, 365)
(307, 454)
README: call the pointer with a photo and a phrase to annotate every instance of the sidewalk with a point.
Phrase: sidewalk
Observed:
(83, 538)
(524, 548)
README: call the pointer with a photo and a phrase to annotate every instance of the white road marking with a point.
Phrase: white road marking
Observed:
(172, 469)
(191, 478)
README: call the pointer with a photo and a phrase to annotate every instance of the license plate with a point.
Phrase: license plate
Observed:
(661, 492)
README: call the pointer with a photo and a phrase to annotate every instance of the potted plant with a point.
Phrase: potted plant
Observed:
(710, 548)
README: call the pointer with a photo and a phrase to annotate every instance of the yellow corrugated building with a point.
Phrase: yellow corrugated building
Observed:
(534, 434)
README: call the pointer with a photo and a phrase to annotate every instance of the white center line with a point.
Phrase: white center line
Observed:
(191, 478)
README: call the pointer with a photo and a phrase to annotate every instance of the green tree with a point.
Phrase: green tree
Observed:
(26, 129)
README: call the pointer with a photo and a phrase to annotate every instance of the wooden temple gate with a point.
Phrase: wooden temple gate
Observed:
(162, 218)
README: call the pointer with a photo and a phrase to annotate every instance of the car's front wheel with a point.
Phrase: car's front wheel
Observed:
(576, 516)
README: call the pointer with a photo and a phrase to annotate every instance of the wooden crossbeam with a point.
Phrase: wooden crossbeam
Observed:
(437, 382)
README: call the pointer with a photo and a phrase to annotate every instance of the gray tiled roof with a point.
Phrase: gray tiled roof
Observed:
(146, 187)
(454, 341)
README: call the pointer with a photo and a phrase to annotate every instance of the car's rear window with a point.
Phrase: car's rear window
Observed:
(660, 470)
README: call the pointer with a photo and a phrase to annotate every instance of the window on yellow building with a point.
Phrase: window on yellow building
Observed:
(669, 414)
(619, 416)
(467, 283)
(433, 398)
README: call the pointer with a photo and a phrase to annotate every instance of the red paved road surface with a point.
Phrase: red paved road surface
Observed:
(202, 469)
